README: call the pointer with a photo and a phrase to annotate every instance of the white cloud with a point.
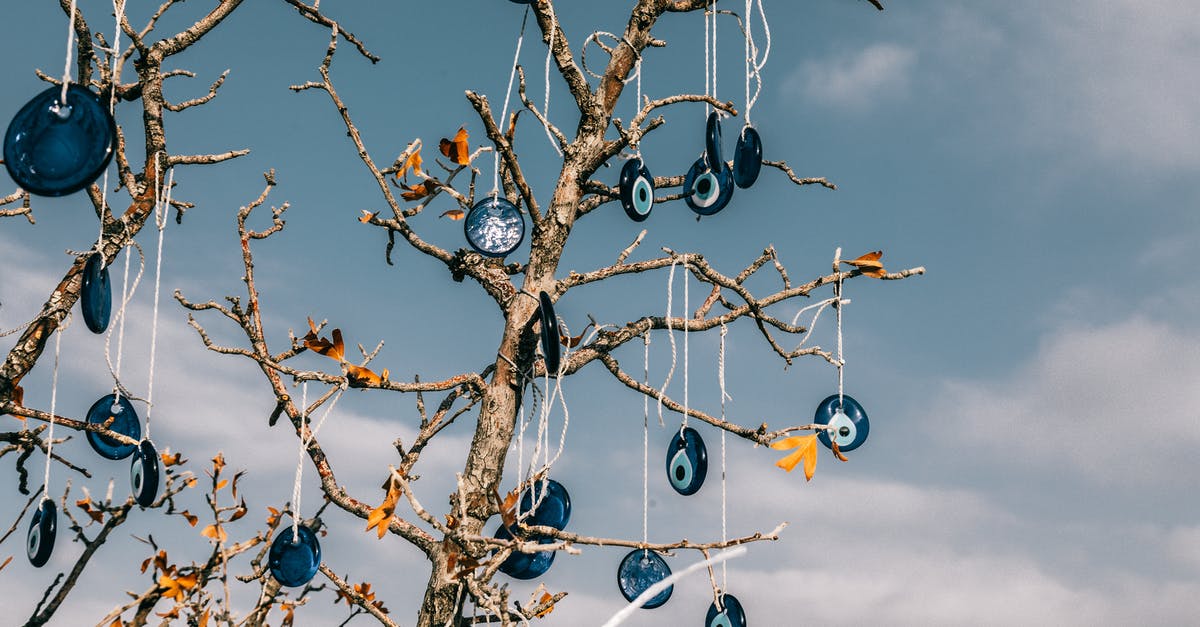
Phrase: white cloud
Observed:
(858, 80)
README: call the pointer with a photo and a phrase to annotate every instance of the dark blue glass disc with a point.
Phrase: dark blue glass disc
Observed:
(708, 191)
(95, 297)
(143, 474)
(553, 509)
(639, 570)
(747, 158)
(525, 565)
(849, 419)
(294, 564)
(730, 615)
(687, 461)
(43, 527)
(125, 422)
(494, 227)
(550, 335)
(712, 141)
(54, 149)
(637, 190)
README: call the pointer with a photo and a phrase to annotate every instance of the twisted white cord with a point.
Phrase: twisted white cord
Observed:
(66, 79)
(546, 79)
(504, 112)
(53, 409)
(841, 361)
(160, 221)
(645, 439)
(671, 335)
(687, 313)
(304, 442)
(724, 397)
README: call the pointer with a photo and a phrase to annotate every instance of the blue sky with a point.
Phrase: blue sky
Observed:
(1032, 397)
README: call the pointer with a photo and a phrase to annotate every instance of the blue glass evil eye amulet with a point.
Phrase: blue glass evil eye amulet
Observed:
(494, 227)
(730, 614)
(747, 158)
(143, 474)
(639, 570)
(54, 148)
(848, 420)
(525, 565)
(708, 191)
(687, 461)
(550, 346)
(712, 141)
(43, 527)
(553, 505)
(636, 190)
(295, 562)
(124, 421)
(95, 297)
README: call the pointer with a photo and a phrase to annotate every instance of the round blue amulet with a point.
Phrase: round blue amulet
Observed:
(707, 191)
(747, 158)
(54, 148)
(730, 614)
(550, 334)
(850, 422)
(144, 474)
(639, 570)
(294, 563)
(687, 461)
(124, 421)
(43, 527)
(494, 227)
(712, 141)
(636, 190)
(520, 565)
(95, 296)
(553, 505)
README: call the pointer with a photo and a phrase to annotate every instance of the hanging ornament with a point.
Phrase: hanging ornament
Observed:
(143, 474)
(637, 190)
(553, 505)
(848, 419)
(687, 461)
(494, 227)
(124, 420)
(43, 528)
(550, 334)
(95, 297)
(729, 615)
(712, 141)
(641, 569)
(707, 191)
(295, 556)
(520, 565)
(747, 157)
(54, 148)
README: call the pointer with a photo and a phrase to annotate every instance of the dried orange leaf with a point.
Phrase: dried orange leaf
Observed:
(169, 460)
(6, 562)
(239, 512)
(218, 463)
(380, 516)
(220, 484)
(457, 149)
(177, 587)
(274, 517)
(453, 214)
(508, 508)
(805, 449)
(215, 532)
(837, 451)
(191, 518)
(412, 162)
(572, 342)
(418, 191)
(333, 350)
(361, 377)
(869, 264)
(366, 216)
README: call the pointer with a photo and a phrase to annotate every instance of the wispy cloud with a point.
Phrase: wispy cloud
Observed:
(858, 80)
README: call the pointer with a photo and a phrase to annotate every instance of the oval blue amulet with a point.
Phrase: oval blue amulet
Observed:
(687, 461)
(712, 141)
(730, 614)
(639, 570)
(294, 564)
(550, 346)
(143, 474)
(95, 297)
(54, 149)
(848, 419)
(553, 505)
(43, 527)
(636, 190)
(494, 227)
(525, 565)
(124, 421)
(708, 191)
(747, 158)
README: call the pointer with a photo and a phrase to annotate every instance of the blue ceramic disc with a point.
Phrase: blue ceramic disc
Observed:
(294, 564)
(708, 191)
(553, 510)
(95, 297)
(687, 461)
(849, 419)
(550, 346)
(525, 565)
(732, 614)
(712, 142)
(637, 190)
(43, 527)
(747, 158)
(494, 227)
(125, 422)
(52, 149)
(639, 570)
(143, 474)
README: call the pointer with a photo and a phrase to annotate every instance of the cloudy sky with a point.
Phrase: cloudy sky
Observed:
(1032, 397)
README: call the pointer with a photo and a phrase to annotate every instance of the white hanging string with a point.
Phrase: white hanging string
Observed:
(304, 442)
(671, 335)
(707, 62)
(654, 590)
(546, 79)
(724, 397)
(504, 112)
(841, 360)
(53, 407)
(645, 439)
(712, 15)
(687, 315)
(754, 65)
(160, 221)
(637, 105)
(114, 72)
(127, 291)
(66, 79)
